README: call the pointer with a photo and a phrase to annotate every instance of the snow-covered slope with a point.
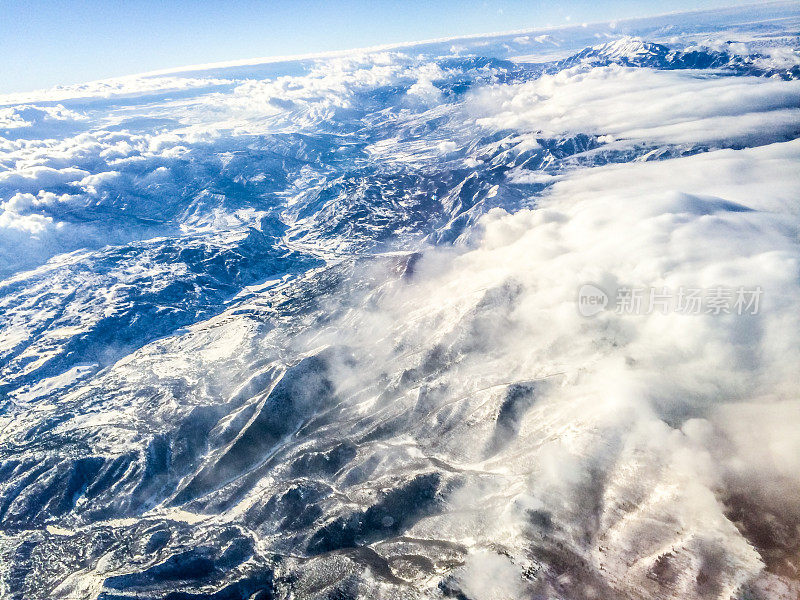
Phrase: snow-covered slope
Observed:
(635, 52)
(311, 328)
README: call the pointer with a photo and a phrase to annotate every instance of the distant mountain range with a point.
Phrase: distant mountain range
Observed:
(634, 52)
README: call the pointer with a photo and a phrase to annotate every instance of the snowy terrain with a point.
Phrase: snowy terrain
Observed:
(309, 327)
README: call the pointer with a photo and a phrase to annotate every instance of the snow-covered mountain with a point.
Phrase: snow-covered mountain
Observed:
(312, 328)
(635, 52)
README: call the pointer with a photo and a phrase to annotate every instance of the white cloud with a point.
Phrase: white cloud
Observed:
(642, 104)
(29, 116)
(424, 88)
(490, 576)
(133, 85)
(653, 422)
(36, 178)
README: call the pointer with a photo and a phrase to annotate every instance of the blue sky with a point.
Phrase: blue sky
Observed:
(49, 42)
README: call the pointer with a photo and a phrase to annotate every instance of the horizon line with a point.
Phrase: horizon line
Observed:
(381, 47)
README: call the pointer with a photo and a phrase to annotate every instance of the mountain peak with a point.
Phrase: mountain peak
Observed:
(629, 46)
